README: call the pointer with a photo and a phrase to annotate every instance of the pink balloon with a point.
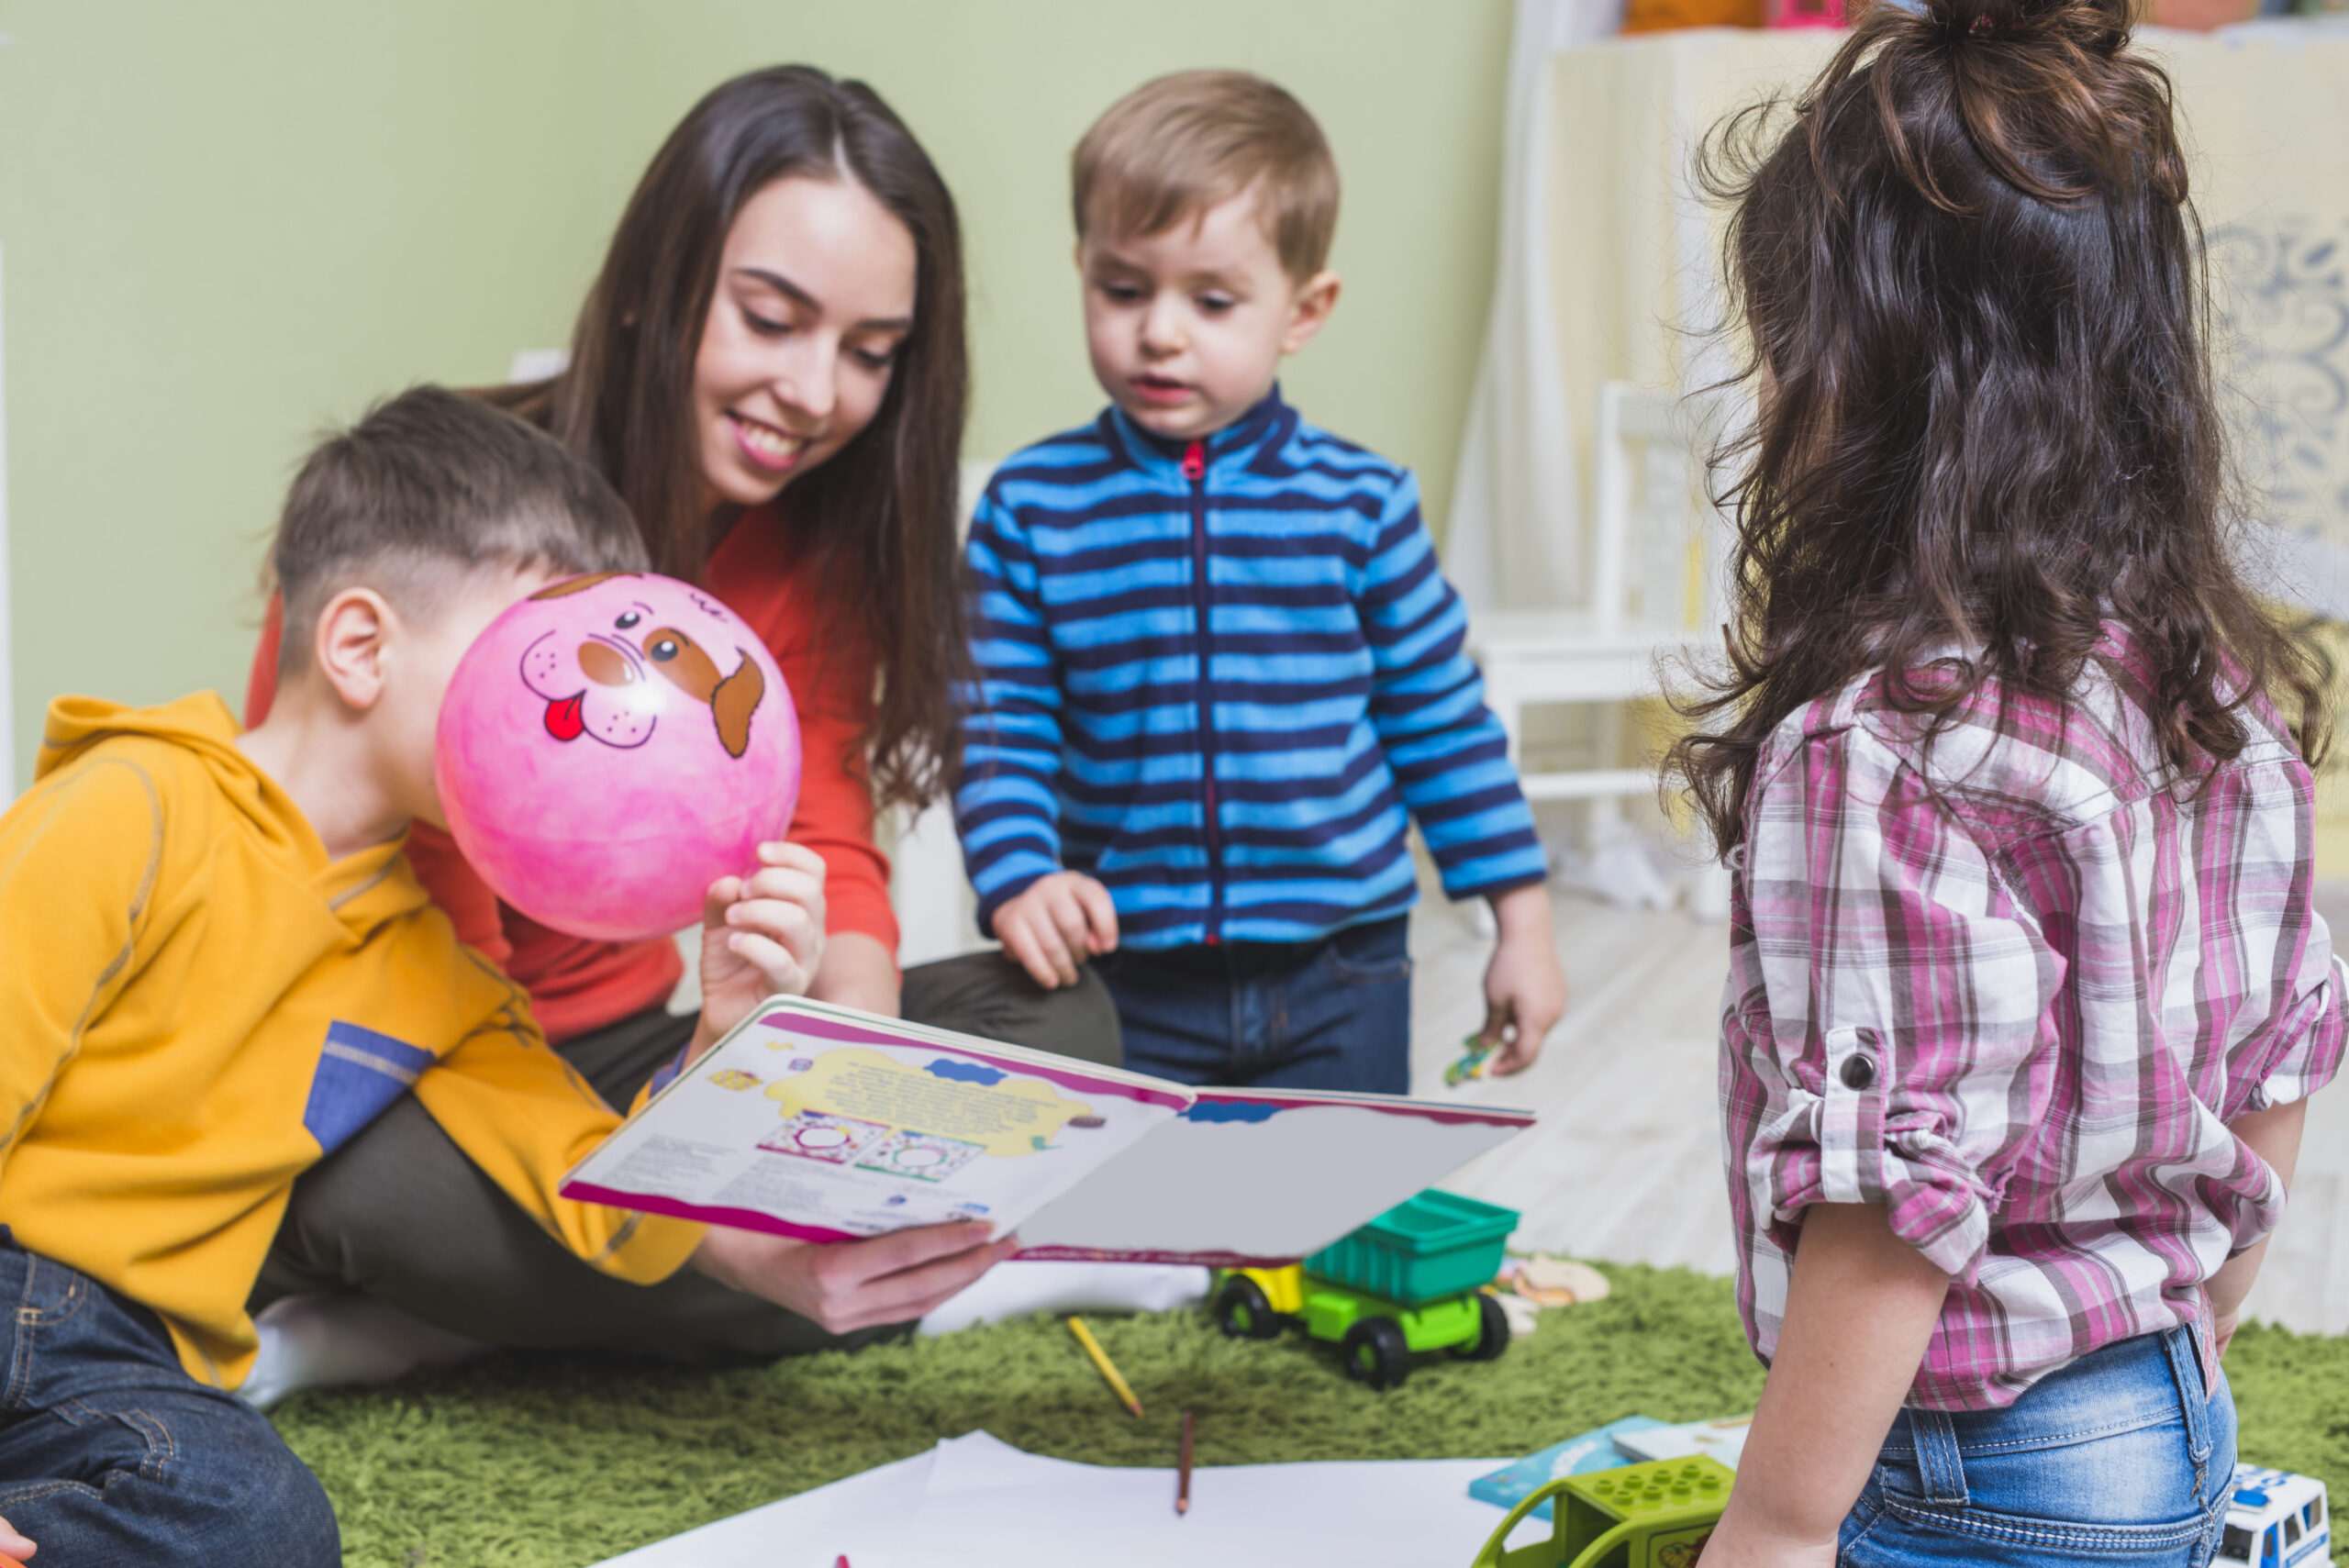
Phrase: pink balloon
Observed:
(610, 747)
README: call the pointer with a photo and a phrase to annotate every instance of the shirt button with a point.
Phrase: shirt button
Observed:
(1858, 1072)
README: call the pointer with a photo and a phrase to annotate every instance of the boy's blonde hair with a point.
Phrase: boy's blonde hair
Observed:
(1176, 146)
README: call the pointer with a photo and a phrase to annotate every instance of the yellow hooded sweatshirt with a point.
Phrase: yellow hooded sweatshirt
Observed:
(197, 1005)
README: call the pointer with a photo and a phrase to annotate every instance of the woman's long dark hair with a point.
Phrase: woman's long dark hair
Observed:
(1986, 415)
(881, 515)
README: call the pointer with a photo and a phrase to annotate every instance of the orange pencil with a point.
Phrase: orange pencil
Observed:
(1183, 1480)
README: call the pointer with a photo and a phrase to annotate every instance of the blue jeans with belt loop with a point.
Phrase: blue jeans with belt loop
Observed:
(2125, 1456)
(1334, 1014)
(111, 1453)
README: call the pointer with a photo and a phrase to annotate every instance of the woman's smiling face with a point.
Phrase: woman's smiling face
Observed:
(815, 297)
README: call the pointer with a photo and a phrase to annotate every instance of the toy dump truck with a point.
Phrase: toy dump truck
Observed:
(1410, 1281)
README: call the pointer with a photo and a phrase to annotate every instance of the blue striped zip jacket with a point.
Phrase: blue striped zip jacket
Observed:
(1214, 677)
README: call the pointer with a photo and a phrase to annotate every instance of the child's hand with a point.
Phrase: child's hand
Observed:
(2222, 1330)
(1525, 990)
(13, 1547)
(762, 936)
(1057, 923)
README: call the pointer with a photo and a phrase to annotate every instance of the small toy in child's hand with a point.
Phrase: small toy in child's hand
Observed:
(1470, 1064)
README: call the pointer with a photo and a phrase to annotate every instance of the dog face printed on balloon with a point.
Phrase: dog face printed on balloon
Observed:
(612, 668)
(610, 747)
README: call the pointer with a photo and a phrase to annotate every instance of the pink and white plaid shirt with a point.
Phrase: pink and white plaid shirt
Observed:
(2013, 989)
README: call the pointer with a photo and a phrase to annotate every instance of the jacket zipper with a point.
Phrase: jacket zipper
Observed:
(1195, 469)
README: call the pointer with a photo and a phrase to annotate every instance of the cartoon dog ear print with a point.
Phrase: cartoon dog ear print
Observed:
(687, 666)
(736, 699)
(571, 585)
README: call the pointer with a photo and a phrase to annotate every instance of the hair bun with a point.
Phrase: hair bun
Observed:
(2101, 26)
(2045, 95)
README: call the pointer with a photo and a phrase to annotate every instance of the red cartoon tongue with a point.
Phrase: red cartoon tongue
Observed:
(563, 720)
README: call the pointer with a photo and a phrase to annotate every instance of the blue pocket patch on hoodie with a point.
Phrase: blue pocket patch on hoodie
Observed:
(359, 1073)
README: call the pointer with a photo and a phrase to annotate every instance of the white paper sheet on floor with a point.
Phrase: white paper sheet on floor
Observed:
(978, 1502)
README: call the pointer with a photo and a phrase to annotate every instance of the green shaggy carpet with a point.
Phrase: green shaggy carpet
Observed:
(549, 1461)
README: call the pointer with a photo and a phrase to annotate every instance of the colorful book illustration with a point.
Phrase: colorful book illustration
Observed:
(1512, 1484)
(824, 1124)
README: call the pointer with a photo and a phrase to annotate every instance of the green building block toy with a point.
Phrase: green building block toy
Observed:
(1409, 1281)
(1640, 1516)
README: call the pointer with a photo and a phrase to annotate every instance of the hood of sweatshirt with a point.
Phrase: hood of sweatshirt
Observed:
(366, 888)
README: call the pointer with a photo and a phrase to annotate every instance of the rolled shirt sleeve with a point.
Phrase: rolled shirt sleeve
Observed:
(1886, 1056)
(2308, 1043)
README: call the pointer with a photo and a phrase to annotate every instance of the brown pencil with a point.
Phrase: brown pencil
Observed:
(1183, 1481)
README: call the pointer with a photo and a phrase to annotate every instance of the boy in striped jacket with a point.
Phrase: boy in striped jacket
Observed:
(1218, 668)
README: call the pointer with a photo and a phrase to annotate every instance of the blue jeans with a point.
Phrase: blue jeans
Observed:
(2122, 1457)
(109, 1452)
(1334, 1014)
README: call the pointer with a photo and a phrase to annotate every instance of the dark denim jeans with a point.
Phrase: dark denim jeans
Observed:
(1334, 1014)
(110, 1453)
(2127, 1456)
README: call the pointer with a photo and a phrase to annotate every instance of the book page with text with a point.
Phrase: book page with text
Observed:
(826, 1124)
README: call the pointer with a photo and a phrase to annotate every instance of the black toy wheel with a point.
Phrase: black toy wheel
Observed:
(1243, 1312)
(1376, 1355)
(1492, 1333)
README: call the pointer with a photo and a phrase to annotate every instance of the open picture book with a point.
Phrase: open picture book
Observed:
(826, 1124)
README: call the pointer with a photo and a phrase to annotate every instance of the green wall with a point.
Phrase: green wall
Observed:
(227, 224)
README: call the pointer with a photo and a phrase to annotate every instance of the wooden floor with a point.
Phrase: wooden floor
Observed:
(1624, 1165)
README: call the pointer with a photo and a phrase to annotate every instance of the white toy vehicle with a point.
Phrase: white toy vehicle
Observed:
(2277, 1519)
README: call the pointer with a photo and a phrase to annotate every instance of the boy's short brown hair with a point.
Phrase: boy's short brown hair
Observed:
(429, 485)
(1176, 146)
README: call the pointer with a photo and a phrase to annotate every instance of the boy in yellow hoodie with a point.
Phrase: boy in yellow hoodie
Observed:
(219, 967)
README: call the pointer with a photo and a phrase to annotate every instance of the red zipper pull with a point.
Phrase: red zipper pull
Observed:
(1195, 461)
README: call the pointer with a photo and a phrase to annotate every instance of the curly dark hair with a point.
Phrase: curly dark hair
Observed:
(1985, 415)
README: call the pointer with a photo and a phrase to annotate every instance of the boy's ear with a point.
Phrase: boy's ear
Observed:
(1314, 300)
(351, 645)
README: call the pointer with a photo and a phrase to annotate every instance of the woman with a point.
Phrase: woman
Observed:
(771, 370)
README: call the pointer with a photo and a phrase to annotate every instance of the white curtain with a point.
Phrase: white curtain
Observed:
(1608, 269)
(1512, 463)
